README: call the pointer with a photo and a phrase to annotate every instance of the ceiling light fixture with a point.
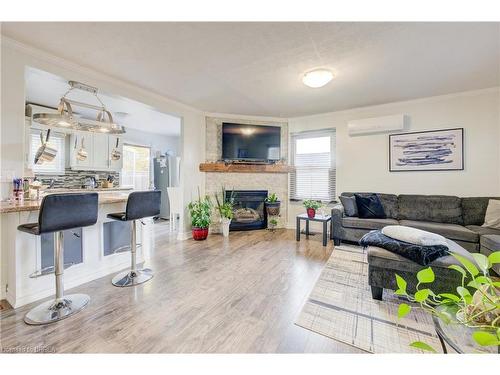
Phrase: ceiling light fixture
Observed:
(317, 78)
(64, 117)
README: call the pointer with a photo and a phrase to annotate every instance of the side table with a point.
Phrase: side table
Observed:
(325, 219)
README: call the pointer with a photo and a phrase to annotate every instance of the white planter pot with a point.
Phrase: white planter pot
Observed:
(225, 226)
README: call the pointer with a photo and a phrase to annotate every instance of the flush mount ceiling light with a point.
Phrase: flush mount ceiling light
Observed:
(317, 78)
(64, 117)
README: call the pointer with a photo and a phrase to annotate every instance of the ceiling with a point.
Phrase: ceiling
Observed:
(47, 89)
(256, 68)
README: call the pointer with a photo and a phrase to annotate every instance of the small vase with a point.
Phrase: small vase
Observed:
(225, 222)
(311, 213)
(200, 234)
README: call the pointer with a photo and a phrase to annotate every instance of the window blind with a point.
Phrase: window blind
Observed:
(313, 156)
(56, 141)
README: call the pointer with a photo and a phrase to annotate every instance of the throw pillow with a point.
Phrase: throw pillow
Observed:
(492, 217)
(414, 235)
(350, 207)
(369, 206)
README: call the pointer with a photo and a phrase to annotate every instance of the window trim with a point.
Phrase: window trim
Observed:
(150, 174)
(330, 132)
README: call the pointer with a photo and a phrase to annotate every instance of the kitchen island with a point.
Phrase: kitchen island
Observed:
(90, 253)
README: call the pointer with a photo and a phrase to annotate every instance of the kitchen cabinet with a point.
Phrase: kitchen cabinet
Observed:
(101, 156)
(76, 142)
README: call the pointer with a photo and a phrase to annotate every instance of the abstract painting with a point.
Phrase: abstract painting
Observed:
(434, 150)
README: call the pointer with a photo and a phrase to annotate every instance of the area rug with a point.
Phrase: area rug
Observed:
(341, 307)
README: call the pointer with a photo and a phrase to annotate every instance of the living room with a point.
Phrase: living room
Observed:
(307, 187)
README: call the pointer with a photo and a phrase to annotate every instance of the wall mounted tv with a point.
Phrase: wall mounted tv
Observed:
(241, 142)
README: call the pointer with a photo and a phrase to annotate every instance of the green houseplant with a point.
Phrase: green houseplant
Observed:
(476, 303)
(272, 224)
(311, 207)
(225, 208)
(201, 216)
(273, 205)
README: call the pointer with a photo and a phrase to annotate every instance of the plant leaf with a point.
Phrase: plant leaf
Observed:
(403, 310)
(494, 258)
(401, 284)
(426, 275)
(464, 293)
(481, 261)
(450, 296)
(469, 266)
(459, 269)
(422, 346)
(485, 338)
(422, 295)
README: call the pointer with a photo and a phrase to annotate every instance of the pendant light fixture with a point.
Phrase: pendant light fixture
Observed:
(64, 117)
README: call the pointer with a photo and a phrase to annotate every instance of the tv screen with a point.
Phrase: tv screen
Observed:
(250, 142)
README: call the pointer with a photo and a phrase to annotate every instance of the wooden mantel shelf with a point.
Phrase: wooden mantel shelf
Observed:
(245, 168)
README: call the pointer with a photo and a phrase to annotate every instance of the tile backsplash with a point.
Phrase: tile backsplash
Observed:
(75, 179)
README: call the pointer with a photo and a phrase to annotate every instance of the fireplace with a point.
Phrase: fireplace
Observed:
(248, 212)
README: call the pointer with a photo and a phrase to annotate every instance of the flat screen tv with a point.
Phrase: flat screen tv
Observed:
(242, 142)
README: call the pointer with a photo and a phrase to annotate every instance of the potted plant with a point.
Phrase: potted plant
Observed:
(201, 213)
(476, 303)
(272, 224)
(311, 207)
(225, 208)
(272, 205)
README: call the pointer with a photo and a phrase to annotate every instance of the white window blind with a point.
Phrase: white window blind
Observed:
(313, 155)
(56, 141)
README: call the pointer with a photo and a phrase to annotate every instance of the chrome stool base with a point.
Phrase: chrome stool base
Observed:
(55, 310)
(131, 278)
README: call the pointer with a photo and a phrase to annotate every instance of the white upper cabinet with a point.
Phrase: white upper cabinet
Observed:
(101, 152)
(81, 142)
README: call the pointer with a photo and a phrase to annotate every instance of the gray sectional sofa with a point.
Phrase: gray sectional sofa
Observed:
(458, 219)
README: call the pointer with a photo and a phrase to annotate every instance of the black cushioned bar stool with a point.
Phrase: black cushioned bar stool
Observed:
(60, 212)
(140, 204)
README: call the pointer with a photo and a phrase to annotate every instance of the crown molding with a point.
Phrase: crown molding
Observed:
(233, 116)
(50, 58)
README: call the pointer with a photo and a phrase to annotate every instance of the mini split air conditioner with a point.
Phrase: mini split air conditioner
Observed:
(377, 124)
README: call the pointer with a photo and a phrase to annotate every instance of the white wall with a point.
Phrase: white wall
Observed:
(362, 161)
(15, 57)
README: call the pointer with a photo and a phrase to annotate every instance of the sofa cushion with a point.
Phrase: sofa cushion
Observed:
(435, 208)
(370, 207)
(491, 241)
(474, 210)
(489, 244)
(389, 202)
(482, 230)
(451, 231)
(350, 207)
(382, 258)
(355, 222)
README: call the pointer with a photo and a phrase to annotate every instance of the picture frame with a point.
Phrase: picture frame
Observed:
(430, 150)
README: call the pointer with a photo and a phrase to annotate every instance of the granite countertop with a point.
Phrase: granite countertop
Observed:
(104, 198)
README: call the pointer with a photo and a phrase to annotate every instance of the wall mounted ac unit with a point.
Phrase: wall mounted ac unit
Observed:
(377, 124)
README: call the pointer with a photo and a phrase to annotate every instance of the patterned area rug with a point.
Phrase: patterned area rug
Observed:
(341, 307)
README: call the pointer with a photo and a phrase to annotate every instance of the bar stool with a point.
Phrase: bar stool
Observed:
(60, 212)
(140, 204)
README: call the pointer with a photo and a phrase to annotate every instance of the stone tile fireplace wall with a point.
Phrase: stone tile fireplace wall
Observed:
(272, 182)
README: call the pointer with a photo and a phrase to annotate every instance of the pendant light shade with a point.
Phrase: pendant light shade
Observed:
(64, 117)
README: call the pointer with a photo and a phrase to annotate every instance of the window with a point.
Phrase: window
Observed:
(313, 155)
(56, 140)
(136, 167)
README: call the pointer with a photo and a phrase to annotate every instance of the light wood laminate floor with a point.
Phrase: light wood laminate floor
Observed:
(240, 294)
